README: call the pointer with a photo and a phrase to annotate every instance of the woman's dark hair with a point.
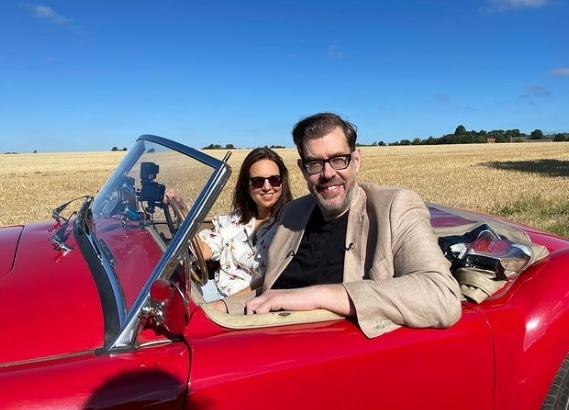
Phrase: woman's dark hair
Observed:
(318, 125)
(242, 199)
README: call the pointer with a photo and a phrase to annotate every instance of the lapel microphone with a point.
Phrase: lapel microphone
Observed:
(348, 247)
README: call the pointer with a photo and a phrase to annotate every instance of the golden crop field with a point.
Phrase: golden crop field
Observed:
(488, 178)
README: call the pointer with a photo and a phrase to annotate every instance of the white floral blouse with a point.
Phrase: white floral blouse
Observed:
(240, 251)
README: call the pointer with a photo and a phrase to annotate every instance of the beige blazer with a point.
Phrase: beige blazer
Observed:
(394, 272)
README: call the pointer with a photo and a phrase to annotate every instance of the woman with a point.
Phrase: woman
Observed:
(240, 239)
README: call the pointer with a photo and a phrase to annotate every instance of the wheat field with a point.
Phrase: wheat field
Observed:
(481, 177)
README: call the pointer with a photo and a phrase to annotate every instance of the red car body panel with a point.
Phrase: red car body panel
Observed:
(9, 238)
(56, 309)
(333, 365)
(529, 325)
(153, 377)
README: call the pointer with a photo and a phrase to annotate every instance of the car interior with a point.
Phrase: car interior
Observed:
(486, 257)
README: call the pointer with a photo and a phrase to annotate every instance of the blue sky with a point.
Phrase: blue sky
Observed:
(89, 75)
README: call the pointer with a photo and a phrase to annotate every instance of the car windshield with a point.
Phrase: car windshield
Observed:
(131, 228)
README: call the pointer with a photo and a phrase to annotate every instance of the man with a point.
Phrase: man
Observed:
(358, 250)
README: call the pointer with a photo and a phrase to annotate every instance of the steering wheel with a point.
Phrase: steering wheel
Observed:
(175, 221)
(195, 264)
(200, 272)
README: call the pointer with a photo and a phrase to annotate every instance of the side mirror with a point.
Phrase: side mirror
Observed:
(168, 306)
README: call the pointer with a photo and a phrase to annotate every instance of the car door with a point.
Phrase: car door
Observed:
(332, 365)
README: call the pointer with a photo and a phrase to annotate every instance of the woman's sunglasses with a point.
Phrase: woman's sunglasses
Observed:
(258, 182)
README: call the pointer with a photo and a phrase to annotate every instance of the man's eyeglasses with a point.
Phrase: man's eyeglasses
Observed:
(258, 182)
(315, 166)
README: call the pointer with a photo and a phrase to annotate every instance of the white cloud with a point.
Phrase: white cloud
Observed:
(560, 71)
(47, 13)
(501, 5)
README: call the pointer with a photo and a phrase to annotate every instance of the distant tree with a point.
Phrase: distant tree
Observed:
(430, 141)
(114, 149)
(450, 139)
(124, 149)
(416, 141)
(509, 135)
(35, 151)
(559, 137)
(513, 133)
(381, 144)
(229, 146)
(536, 135)
(460, 130)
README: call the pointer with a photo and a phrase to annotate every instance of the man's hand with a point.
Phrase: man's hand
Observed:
(331, 297)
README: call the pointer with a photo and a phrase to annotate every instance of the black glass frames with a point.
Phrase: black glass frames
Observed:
(258, 182)
(314, 166)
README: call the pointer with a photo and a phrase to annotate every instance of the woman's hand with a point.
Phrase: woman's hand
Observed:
(171, 195)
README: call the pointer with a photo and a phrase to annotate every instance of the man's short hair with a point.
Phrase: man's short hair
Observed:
(320, 124)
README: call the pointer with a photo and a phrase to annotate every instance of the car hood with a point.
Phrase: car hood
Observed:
(49, 301)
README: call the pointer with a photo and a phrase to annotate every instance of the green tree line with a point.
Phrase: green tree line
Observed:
(462, 136)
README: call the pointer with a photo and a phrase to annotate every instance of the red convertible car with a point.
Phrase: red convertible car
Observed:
(102, 309)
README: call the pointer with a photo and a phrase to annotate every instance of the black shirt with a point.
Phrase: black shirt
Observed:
(320, 256)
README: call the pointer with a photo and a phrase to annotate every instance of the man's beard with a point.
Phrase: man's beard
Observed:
(332, 209)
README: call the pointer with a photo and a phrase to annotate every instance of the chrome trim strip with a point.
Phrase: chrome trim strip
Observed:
(113, 279)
